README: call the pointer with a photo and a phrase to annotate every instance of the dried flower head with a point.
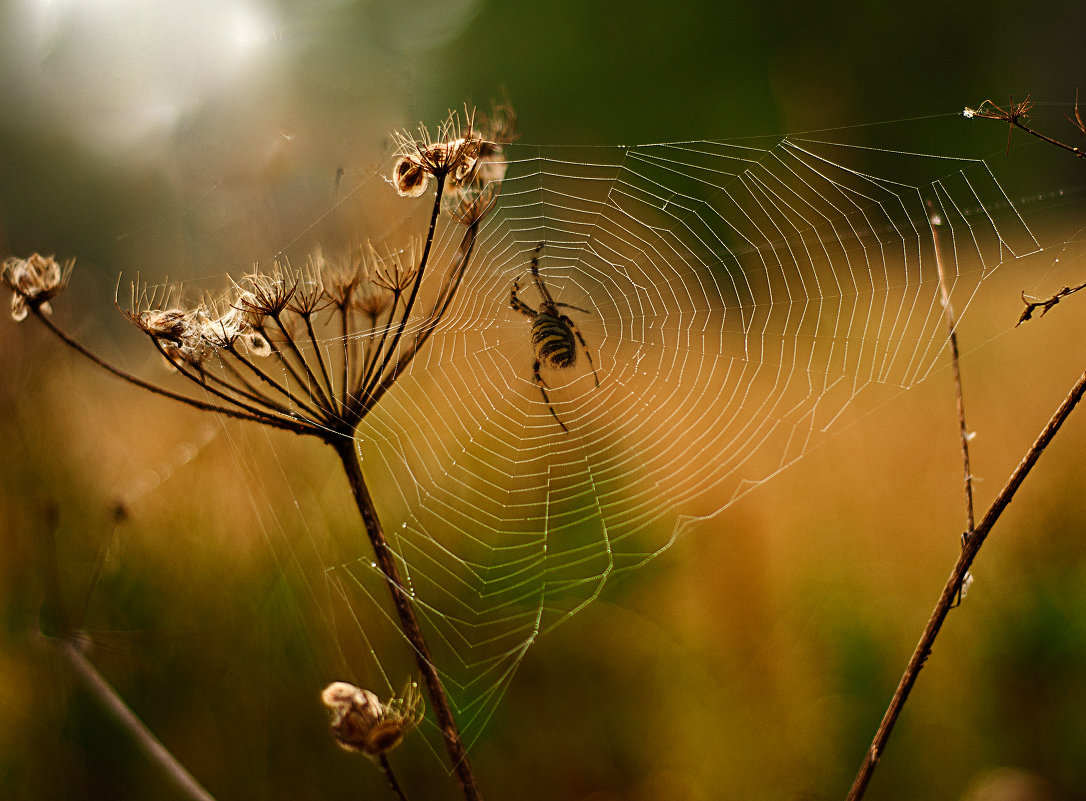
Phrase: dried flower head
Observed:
(219, 323)
(469, 199)
(449, 155)
(361, 723)
(309, 295)
(268, 294)
(34, 281)
(171, 324)
(394, 270)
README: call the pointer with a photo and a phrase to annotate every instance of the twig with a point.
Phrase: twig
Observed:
(91, 680)
(1014, 115)
(970, 547)
(1045, 305)
(951, 324)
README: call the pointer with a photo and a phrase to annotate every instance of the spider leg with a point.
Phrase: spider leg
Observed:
(547, 299)
(543, 389)
(517, 303)
(584, 346)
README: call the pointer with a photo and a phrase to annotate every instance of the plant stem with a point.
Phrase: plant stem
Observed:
(103, 691)
(267, 419)
(409, 623)
(386, 768)
(970, 547)
(952, 335)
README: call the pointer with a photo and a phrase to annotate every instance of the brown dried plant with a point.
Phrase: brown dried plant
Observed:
(261, 350)
(1017, 114)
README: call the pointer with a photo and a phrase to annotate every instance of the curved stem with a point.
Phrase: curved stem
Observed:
(409, 623)
(970, 547)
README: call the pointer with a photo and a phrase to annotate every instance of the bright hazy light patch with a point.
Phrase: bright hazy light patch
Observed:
(116, 73)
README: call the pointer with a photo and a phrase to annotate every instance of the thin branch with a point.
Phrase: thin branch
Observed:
(970, 546)
(369, 362)
(1014, 115)
(1045, 305)
(373, 381)
(445, 296)
(952, 334)
(320, 363)
(93, 682)
(344, 313)
(313, 385)
(313, 412)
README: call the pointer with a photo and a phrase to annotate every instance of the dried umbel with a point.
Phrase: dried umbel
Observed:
(313, 352)
(361, 723)
(34, 281)
(468, 160)
(450, 155)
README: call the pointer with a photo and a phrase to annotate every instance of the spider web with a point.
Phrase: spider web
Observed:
(734, 296)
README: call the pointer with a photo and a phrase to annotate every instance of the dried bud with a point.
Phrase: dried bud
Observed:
(34, 281)
(171, 324)
(409, 177)
(269, 293)
(361, 723)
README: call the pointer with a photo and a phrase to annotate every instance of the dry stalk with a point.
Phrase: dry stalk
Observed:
(951, 590)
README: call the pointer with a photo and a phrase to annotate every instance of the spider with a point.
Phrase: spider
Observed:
(552, 333)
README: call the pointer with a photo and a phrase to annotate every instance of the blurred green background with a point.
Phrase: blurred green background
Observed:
(755, 658)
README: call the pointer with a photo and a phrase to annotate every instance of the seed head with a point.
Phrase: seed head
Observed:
(361, 723)
(268, 294)
(172, 324)
(468, 198)
(409, 177)
(395, 270)
(451, 154)
(257, 344)
(219, 324)
(34, 281)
